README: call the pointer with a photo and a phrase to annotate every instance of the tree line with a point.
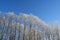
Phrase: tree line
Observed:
(26, 27)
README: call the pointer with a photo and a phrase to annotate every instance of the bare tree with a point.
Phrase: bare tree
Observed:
(26, 27)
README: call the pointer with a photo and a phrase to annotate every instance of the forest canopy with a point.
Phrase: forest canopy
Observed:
(26, 27)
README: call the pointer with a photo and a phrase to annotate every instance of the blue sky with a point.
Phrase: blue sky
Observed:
(47, 10)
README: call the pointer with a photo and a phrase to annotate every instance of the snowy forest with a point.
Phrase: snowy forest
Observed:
(26, 27)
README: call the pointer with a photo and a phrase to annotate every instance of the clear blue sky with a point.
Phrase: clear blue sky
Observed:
(47, 10)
